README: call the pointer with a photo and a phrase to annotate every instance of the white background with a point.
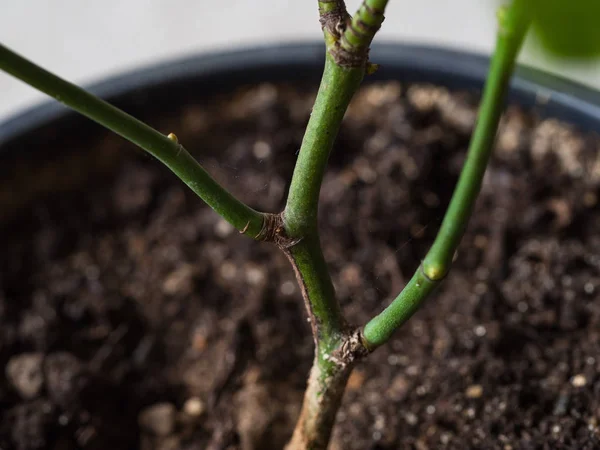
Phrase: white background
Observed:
(86, 40)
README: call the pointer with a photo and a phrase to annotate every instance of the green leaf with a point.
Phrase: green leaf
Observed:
(568, 28)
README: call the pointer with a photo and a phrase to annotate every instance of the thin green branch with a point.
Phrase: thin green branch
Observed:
(317, 290)
(337, 347)
(165, 149)
(513, 27)
(347, 41)
(338, 85)
(365, 23)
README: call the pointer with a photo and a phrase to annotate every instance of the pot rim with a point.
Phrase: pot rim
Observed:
(550, 95)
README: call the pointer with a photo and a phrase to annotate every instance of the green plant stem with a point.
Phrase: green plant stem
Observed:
(324, 312)
(364, 24)
(326, 383)
(513, 27)
(336, 346)
(165, 149)
(300, 215)
(341, 79)
(338, 85)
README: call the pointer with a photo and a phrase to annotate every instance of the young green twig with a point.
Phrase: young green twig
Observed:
(337, 346)
(165, 148)
(513, 25)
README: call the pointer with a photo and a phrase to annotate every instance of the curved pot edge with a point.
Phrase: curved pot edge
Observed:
(551, 95)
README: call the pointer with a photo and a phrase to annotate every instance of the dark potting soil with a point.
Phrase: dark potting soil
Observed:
(132, 317)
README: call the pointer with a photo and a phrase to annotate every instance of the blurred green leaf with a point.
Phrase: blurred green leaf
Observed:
(568, 28)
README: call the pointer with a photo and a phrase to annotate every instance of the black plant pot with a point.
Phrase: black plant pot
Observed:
(28, 136)
(172, 82)
(167, 86)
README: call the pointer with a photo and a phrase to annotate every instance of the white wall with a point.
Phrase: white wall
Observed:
(85, 41)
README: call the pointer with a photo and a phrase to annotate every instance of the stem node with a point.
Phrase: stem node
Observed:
(434, 271)
(273, 230)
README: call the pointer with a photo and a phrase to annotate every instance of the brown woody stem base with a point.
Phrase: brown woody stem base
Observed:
(326, 386)
(321, 402)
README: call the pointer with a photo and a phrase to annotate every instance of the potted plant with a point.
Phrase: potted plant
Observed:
(67, 390)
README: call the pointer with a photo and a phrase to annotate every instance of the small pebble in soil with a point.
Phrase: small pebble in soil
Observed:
(351, 275)
(412, 371)
(445, 438)
(255, 275)
(24, 373)
(399, 388)
(422, 390)
(223, 228)
(158, 419)
(411, 419)
(579, 380)
(261, 150)
(474, 391)
(379, 422)
(228, 271)
(193, 407)
(356, 380)
(393, 360)
(178, 280)
(288, 288)
(480, 331)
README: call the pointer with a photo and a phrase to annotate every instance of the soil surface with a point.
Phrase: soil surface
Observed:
(132, 317)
